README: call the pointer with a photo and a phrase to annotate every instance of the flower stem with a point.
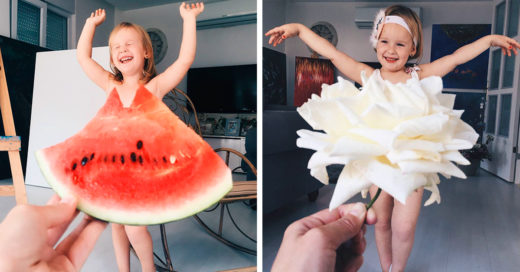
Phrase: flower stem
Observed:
(374, 199)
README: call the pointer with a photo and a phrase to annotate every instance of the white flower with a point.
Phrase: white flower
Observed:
(395, 136)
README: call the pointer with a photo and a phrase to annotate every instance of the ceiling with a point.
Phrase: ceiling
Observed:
(389, 1)
(137, 4)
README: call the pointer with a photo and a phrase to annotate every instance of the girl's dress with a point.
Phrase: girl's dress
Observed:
(395, 136)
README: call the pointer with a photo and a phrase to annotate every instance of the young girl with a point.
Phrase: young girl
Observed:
(396, 38)
(131, 60)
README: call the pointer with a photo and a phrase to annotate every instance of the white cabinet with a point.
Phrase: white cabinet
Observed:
(237, 143)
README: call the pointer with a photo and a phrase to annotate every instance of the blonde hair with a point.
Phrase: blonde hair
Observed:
(413, 22)
(149, 71)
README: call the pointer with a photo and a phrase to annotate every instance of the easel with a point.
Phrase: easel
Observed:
(10, 143)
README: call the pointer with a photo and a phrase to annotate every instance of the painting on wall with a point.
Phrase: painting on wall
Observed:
(448, 38)
(274, 77)
(310, 74)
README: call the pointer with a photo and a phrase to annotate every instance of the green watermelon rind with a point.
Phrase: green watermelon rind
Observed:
(147, 217)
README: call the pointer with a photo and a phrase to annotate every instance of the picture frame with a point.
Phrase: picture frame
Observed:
(232, 127)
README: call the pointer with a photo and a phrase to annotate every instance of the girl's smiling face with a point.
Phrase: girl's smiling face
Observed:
(127, 51)
(394, 47)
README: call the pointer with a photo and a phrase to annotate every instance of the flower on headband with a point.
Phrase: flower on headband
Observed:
(395, 136)
(378, 21)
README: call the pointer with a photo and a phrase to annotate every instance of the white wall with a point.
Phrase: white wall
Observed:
(273, 15)
(5, 18)
(354, 41)
(83, 10)
(215, 47)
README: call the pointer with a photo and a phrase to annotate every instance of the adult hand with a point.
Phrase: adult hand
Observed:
(280, 33)
(97, 17)
(29, 233)
(326, 241)
(193, 10)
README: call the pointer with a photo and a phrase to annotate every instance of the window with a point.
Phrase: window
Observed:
(505, 114)
(56, 31)
(492, 114)
(39, 23)
(28, 23)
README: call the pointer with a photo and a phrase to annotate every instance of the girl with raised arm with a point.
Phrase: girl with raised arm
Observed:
(132, 65)
(396, 38)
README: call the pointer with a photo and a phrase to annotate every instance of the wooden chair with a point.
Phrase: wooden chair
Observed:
(179, 102)
(241, 191)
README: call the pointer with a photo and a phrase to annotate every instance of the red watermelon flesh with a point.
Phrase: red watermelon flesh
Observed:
(139, 165)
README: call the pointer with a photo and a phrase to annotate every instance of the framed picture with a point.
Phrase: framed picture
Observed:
(448, 38)
(232, 127)
(275, 78)
(310, 74)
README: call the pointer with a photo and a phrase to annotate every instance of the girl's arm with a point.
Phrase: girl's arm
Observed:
(446, 64)
(93, 70)
(345, 64)
(166, 81)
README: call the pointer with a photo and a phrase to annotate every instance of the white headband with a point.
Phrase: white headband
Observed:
(381, 20)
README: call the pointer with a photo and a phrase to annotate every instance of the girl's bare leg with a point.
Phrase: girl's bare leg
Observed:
(142, 242)
(404, 221)
(383, 232)
(121, 247)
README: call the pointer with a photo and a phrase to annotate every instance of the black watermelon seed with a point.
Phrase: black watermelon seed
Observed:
(106, 159)
(140, 159)
(74, 166)
(84, 161)
(122, 159)
(92, 156)
(164, 159)
(139, 144)
(155, 160)
(133, 157)
(114, 158)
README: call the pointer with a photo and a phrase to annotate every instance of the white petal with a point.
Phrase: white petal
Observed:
(426, 125)
(455, 156)
(320, 173)
(423, 166)
(350, 182)
(392, 180)
(346, 146)
(383, 137)
(433, 180)
(312, 140)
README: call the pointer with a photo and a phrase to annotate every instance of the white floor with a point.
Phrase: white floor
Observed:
(191, 247)
(475, 228)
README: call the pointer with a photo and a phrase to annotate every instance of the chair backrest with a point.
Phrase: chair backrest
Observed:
(228, 152)
(178, 101)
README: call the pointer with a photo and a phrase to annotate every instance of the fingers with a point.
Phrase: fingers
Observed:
(59, 213)
(347, 226)
(371, 217)
(78, 245)
(54, 233)
(194, 6)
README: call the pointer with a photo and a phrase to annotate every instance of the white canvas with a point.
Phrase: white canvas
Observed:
(64, 100)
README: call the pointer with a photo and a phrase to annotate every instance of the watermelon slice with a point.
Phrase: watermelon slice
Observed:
(139, 165)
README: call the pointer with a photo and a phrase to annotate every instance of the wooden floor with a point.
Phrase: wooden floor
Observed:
(475, 228)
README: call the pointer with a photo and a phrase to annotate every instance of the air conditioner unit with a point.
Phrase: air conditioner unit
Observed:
(364, 18)
(227, 21)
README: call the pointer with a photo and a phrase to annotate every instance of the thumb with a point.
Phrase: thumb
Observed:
(347, 226)
(59, 213)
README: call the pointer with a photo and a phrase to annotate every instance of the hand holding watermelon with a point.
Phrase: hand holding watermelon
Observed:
(29, 234)
(97, 17)
(194, 10)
